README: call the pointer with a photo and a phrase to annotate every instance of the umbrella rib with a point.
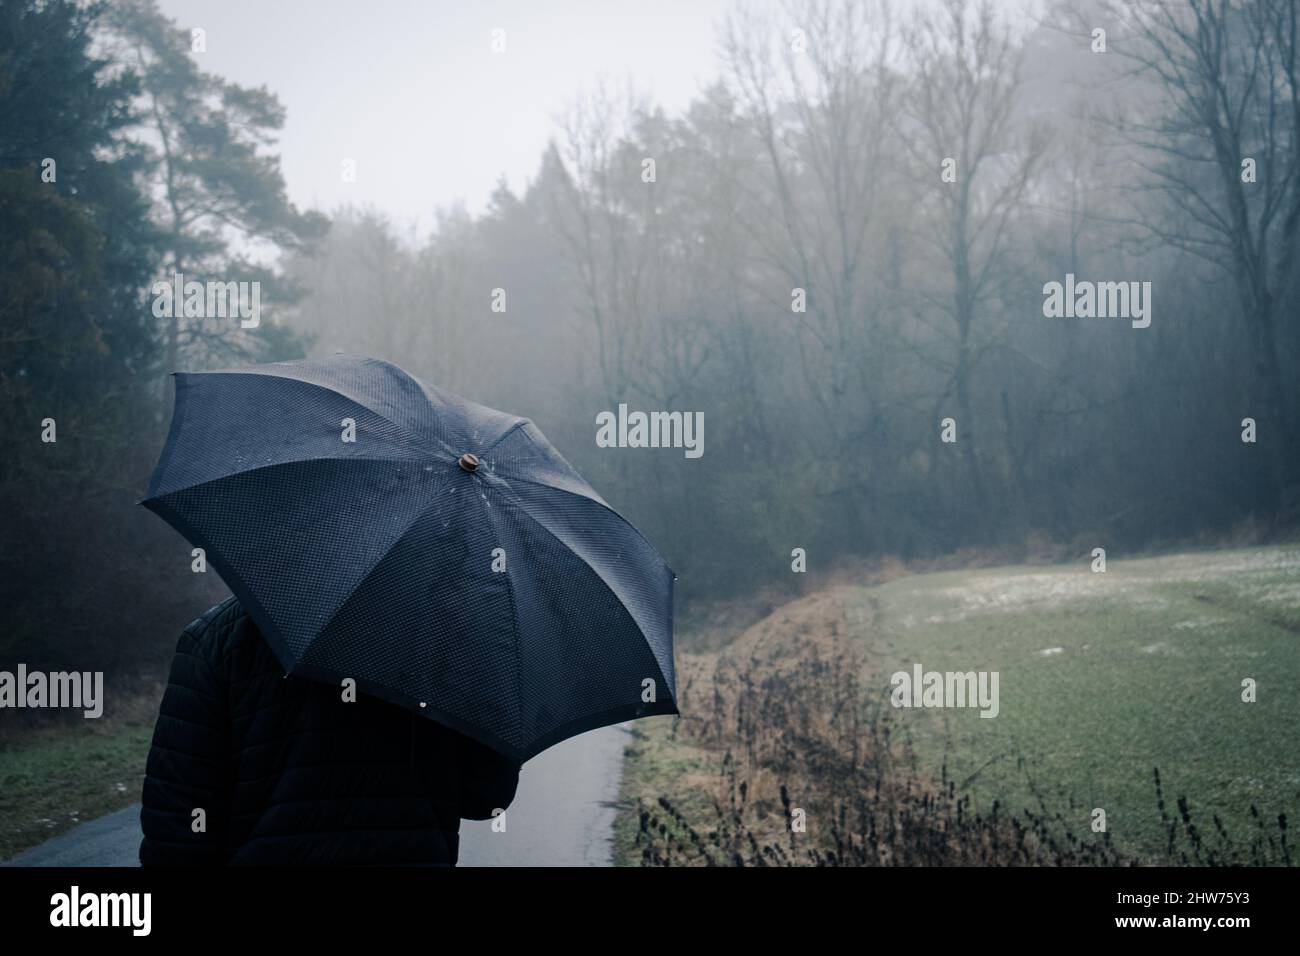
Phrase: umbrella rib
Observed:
(599, 577)
(594, 501)
(411, 435)
(281, 464)
(362, 578)
(514, 616)
(542, 452)
(507, 433)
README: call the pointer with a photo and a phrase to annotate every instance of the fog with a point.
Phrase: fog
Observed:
(941, 282)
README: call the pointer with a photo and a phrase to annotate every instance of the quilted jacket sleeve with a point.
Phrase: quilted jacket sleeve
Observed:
(487, 780)
(188, 768)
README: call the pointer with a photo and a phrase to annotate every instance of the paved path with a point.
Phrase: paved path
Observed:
(562, 816)
(113, 840)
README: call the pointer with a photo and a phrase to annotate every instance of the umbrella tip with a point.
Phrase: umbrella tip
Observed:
(469, 462)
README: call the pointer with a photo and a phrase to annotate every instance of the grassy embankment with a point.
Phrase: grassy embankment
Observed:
(1104, 679)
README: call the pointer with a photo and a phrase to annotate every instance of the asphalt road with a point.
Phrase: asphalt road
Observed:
(563, 815)
(113, 840)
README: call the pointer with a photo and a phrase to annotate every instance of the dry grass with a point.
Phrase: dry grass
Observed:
(788, 722)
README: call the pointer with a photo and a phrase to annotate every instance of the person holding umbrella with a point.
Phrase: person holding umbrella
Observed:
(250, 766)
(425, 595)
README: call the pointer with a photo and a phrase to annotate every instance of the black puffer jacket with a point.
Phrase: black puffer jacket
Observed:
(288, 773)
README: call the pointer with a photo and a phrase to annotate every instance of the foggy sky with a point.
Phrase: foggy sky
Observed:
(413, 92)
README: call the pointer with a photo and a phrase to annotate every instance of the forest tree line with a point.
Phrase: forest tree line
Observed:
(838, 255)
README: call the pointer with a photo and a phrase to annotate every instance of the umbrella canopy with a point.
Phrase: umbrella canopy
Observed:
(440, 553)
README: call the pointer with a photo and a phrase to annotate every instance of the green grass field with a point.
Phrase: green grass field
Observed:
(1105, 676)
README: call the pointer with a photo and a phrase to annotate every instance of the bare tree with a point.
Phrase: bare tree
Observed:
(591, 213)
(962, 117)
(1222, 154)
(817, 87)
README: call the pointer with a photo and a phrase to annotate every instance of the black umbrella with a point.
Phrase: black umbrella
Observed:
(440, 553)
